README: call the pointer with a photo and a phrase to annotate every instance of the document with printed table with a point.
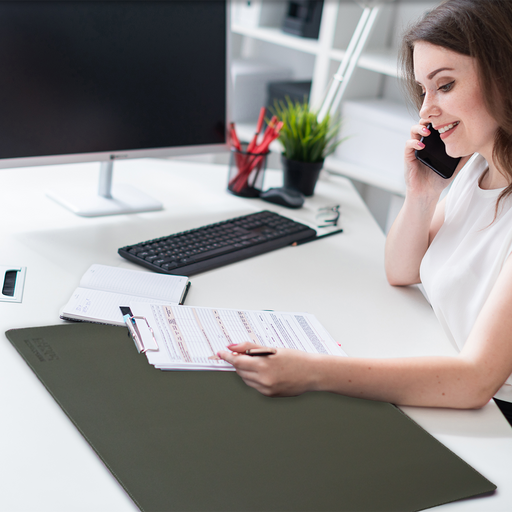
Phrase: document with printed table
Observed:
(188, 338)
(103, 289)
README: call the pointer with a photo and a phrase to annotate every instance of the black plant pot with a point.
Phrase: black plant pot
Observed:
(301, 176)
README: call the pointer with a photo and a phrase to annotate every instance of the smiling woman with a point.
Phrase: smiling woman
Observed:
(458, 64)
(478, 35)
(452, 100)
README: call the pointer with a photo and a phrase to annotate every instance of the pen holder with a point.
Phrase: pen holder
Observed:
(246, 172)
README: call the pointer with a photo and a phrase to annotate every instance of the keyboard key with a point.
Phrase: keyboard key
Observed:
(214, 252)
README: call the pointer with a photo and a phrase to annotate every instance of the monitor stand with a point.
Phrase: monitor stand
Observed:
(110, 200)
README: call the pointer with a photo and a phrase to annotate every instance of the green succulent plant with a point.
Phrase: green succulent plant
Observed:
(303, 137)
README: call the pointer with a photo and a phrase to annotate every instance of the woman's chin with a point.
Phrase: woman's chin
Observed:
(453, 151)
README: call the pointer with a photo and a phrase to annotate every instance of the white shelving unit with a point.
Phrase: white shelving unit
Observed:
(277, 36)
(375, 77)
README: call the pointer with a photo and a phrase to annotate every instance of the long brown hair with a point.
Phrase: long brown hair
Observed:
(481, 29)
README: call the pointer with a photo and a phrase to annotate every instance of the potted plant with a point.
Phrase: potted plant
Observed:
(306, 142)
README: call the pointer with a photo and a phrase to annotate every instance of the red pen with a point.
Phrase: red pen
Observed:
(234, 138)
(259, 125)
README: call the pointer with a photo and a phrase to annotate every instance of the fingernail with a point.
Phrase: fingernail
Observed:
(420, 145)
(425, 130)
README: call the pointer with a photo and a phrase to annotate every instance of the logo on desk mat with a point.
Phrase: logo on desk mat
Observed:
(42, 349)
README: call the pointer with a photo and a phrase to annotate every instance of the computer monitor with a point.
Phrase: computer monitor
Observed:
(84, 81)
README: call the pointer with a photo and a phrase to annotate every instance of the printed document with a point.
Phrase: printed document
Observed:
(188, 338)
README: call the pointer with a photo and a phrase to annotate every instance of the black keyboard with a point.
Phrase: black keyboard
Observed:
(212, 246)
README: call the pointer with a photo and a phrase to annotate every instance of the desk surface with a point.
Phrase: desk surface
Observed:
(47, 465)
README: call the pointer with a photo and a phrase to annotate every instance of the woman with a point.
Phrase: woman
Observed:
(458, 67)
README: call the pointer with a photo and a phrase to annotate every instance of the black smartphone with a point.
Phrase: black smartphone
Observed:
(434, 155)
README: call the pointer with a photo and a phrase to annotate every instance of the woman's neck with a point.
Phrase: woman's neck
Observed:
(493, 178)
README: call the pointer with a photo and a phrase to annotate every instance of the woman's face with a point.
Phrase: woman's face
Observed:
(453, 100)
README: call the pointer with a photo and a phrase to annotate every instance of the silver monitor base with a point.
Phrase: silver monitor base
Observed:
(116, 200)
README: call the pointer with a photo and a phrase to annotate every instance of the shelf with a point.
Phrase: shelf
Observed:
(245, 133)
(365, 175)
(277, 36)
(380, 61)
(375, 59)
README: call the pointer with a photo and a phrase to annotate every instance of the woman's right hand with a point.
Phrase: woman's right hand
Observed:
(420, 179)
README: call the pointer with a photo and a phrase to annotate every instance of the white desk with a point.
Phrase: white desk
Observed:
(46, 465)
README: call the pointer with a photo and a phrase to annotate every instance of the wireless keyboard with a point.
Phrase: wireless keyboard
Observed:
(212, 246)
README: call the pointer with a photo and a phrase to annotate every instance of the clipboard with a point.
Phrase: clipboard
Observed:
(204, 441)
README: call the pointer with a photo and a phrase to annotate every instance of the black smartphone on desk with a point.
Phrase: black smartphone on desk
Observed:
(434, 155)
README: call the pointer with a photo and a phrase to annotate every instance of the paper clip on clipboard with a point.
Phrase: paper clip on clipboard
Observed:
(134, 331)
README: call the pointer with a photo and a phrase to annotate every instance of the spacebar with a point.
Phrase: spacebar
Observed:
(214, 252)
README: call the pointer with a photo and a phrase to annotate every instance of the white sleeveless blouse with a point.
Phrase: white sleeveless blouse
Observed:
(466, 256)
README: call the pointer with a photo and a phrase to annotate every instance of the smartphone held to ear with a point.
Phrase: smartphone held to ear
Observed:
(434, 155)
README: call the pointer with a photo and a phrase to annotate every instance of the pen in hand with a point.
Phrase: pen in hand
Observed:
(264, 351)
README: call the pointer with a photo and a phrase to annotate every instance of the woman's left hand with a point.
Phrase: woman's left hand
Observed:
(286, 373)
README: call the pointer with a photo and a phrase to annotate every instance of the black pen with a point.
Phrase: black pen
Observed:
(319, 237)
(264, 351)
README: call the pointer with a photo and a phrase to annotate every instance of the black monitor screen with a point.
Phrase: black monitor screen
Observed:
(96, 76)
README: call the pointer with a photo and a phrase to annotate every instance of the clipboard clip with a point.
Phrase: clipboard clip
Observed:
(133, 329)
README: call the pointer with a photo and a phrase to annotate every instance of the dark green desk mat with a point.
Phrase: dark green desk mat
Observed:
(204, 441)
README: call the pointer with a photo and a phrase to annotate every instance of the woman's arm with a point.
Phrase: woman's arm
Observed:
(466, 381)
(410, 236)
(420, 218)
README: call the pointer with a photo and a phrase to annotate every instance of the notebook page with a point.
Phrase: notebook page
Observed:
(99, 306)
(133, 282)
